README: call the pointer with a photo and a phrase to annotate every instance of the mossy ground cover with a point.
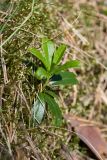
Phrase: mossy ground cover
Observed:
(19, 136)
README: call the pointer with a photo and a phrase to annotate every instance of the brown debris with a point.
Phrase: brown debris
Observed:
(89, 134)
(20, 154)
(69, 155)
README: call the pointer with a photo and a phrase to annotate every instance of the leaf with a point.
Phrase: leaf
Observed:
(52, 94)
(41, 73)
(56, 77)
(38, 109)
(69, 64)
(59, 53)
(65, 78)
(48, 50)
(39, 55)
(90, 134)
(54, 108)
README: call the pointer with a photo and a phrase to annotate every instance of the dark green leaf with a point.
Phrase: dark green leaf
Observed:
(41, 73)
(38, 109)
(51, 93)
(59, 53)
(48, 50)
(67, 78)
(54, 108)
(56, 77)
(69, 64)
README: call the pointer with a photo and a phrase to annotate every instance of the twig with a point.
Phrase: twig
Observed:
(18, 28)
(3, 64)
(37, 152)
(76, 32)
(6, 140)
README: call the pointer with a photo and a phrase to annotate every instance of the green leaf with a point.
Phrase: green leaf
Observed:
(54, 108)
(39, 55)
(52, 94)
(38, 109)
(59, 53)
(69, 64)
(41, 73)
(65, 78)
(48, 50)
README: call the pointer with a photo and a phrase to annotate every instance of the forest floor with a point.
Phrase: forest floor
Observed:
(82, 26)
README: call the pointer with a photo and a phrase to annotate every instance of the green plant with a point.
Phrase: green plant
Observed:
(51, 73)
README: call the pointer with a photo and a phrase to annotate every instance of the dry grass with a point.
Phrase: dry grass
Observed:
(82, 26)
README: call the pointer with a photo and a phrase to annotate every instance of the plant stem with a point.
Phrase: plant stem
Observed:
(45, 84)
